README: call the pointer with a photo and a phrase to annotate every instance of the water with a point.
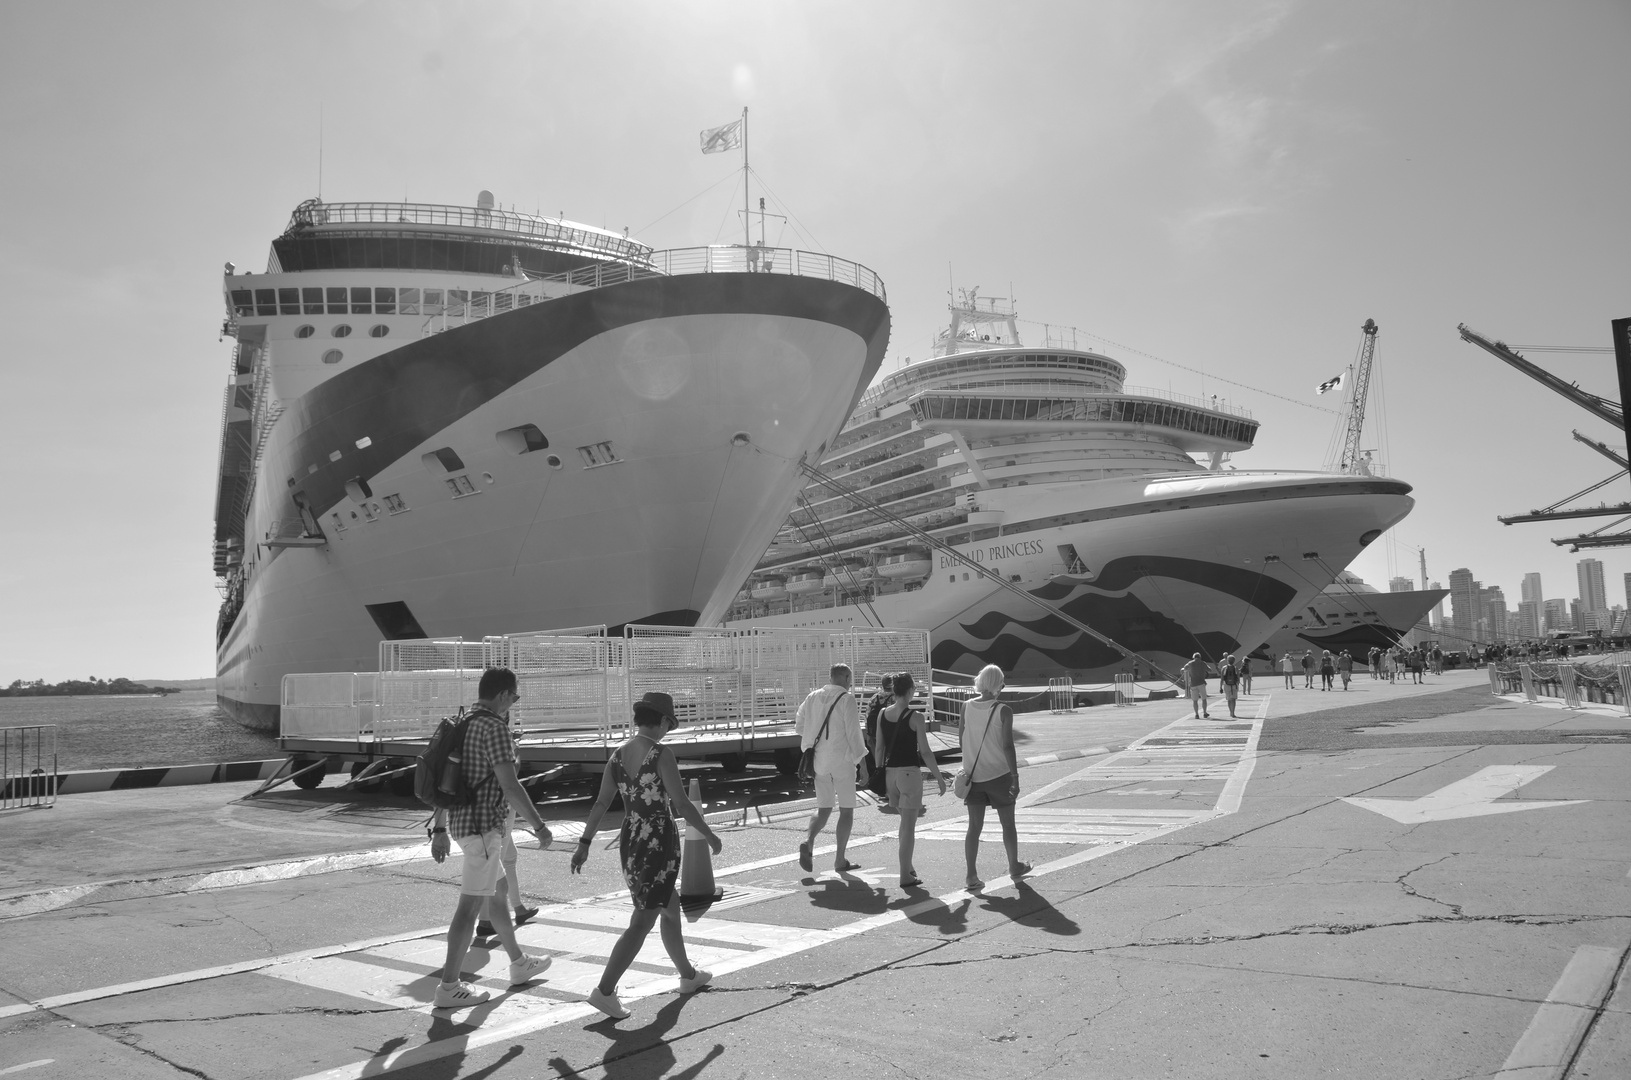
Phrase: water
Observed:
(126, 732)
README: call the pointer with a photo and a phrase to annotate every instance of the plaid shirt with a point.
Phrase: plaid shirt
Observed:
(486, 742)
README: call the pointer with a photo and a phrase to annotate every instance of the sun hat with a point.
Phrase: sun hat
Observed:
(659, 702)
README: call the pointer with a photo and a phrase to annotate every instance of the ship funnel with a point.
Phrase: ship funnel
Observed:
(484, 200)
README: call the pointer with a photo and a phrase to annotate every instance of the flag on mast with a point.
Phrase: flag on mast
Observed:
(718, 140)
(1332, 383)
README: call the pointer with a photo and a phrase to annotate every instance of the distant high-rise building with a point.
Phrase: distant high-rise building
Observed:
(1463, 603)
(1529, 619)
(1576, 615)
(1555, 616)
(1531, 587)
(1492, 603)
(1628, 590)
(1514, 626)
(1592, 595)
(1401, 584)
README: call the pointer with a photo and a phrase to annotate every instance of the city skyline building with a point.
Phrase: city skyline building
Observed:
(1593, 596)
(1531, 587)
(1555, 616)
(1401, 584)
(1463, 603)
(1529, 619)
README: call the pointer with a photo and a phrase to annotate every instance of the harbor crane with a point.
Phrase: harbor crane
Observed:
(1600, 407)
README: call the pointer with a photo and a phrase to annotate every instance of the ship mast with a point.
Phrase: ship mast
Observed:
(1350, 462)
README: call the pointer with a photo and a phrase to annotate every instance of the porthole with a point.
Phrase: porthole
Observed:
(378, 330)
(333, 356)
(343, 330)
(487, 478)
(553, 461)
(305, 331)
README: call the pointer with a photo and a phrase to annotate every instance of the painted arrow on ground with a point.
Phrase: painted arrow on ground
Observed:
(1473, 797)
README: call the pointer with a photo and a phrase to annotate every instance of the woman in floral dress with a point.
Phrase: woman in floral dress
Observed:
(645, 774)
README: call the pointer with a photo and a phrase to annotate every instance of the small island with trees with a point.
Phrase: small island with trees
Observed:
(81, 688)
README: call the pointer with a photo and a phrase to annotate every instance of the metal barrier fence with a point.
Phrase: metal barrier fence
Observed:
(1573, 683)
(28, 767)
(583, 682)
(1061, 695)
(1125, 689)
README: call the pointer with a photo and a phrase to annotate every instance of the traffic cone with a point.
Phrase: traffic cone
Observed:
(697, 888)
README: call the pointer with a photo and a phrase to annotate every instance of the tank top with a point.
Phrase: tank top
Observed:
(899, 739)
(977, 742)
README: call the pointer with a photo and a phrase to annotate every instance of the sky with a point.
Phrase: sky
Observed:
(1223, 187)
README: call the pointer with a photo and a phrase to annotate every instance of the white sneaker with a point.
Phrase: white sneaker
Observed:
(459, 995)
(527, 969)
(696, 982)
(608, 1004)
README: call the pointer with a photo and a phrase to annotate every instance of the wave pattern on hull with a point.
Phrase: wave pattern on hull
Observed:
(997, 638)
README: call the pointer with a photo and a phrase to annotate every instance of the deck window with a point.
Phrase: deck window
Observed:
(243, 302)
(266, 301)
(336, 302)
(433, 301)
(443, 461)
(408, 302)
(362, 300)
(384, 303)
(312, 299)
(522, 440)
(289, 301)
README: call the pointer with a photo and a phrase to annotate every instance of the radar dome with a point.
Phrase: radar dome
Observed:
(484, 200)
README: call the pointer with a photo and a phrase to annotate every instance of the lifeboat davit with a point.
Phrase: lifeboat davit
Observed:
(911, 565)
(801, 584)
(770, 588)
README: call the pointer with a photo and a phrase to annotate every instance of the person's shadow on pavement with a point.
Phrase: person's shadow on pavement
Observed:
(1027, 907)
(641, 1053)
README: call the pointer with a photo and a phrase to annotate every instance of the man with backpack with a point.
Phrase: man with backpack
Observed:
(479, 821)
(830, 724)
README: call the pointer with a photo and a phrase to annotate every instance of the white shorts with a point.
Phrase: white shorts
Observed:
(483, 863)
(835, 790)
(1197, 693)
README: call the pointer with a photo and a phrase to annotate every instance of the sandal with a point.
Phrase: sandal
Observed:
(973, 884)
(1019, 870)
(913, 882)
(845, 867)
(805, 862)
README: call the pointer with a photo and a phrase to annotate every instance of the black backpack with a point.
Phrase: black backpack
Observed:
(438, 774)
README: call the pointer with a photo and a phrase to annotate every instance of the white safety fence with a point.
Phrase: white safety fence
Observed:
(582, 681)
(28, 766)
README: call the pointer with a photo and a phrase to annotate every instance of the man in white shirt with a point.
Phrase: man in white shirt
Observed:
(830, 721)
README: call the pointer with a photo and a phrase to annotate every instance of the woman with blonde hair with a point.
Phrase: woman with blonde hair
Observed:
(993, 769)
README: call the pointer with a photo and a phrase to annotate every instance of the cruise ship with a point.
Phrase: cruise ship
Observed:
(1079, 492)
(461, 421)
(1353, 616)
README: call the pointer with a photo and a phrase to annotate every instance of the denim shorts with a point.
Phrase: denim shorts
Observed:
(995, 792)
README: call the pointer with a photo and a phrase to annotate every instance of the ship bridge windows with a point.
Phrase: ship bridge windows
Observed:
(362, 300)
(265, 301)
(336, 301)
(311, 299)
(289, 301)
(384, 302)
(243, 302)
(407, 301)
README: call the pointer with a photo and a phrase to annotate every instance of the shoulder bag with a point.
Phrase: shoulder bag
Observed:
(965, 777)
(807, 759)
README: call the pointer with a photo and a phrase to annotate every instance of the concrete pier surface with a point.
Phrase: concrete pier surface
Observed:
(1393, 881)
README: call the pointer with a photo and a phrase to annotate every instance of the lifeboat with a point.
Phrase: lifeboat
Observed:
(801, 584)
(847, 576)
(770, 588)
(909, 566)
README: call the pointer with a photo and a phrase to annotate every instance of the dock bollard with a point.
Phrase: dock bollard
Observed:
(697, 864)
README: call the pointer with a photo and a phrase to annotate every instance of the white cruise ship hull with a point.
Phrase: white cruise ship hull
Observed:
(1345, 620)
(1175, 565)
(676, 411)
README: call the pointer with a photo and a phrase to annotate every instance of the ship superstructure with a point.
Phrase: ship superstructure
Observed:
(446, 421)
(1041, 464)
(1351, 616)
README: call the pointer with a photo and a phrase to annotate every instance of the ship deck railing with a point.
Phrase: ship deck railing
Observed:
(554, 231)
(734, 259)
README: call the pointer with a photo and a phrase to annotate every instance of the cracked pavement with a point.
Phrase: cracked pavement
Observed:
(1300, 936)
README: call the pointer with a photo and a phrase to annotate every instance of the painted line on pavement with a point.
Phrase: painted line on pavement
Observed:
(27, 1065)
(1553, 1037)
